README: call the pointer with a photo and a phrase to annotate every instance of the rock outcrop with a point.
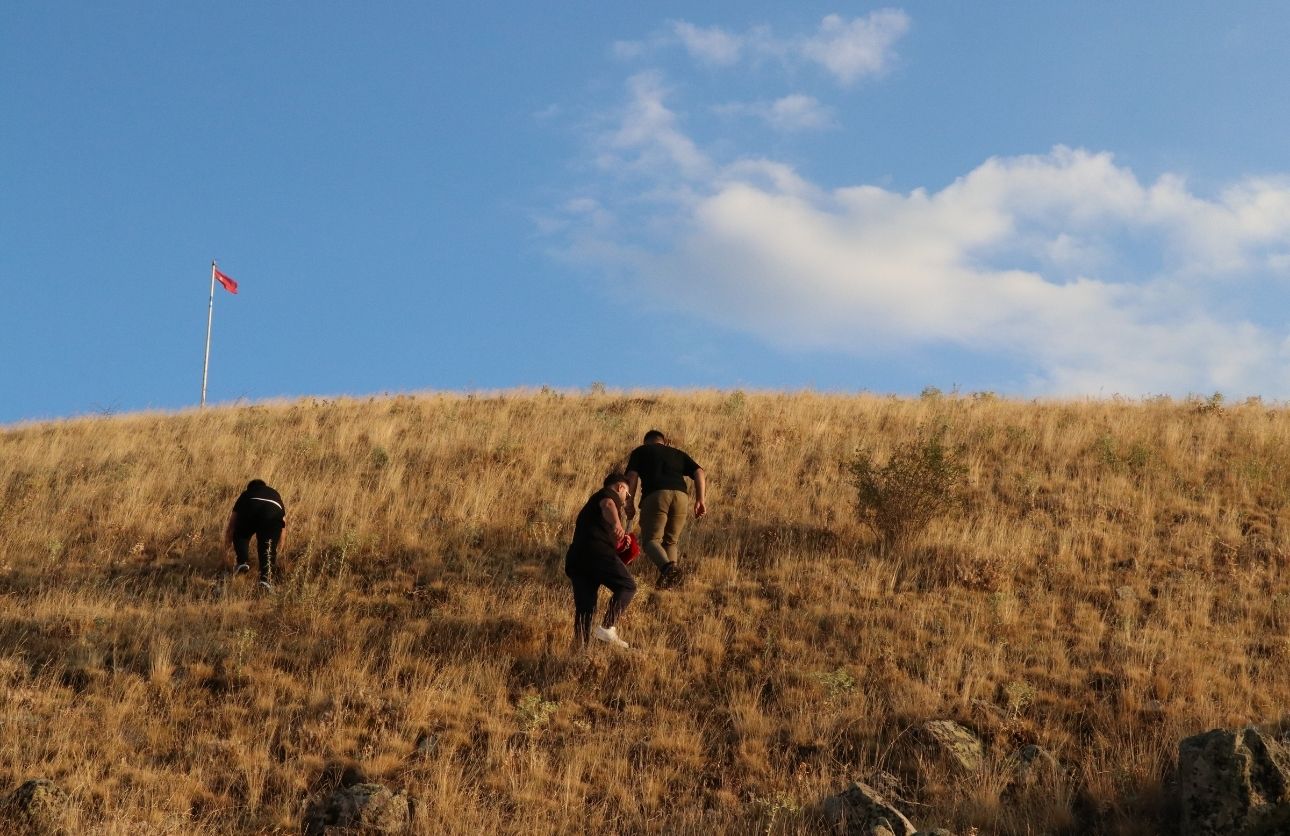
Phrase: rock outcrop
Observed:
(860, 810)
(37, 808)
(953, 744)
(363, 807)
(1233, 782)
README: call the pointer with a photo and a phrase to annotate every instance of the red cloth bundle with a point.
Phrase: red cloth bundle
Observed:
(629, 548)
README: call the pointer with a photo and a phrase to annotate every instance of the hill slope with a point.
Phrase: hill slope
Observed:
(1114, 582)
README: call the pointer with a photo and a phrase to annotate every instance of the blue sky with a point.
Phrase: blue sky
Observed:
(1036, 199)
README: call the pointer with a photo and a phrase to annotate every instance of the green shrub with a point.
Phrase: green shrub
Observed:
(921, 480)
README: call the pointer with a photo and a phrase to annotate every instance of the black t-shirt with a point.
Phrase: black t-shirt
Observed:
(258, 507)
(593, 539)
(661, 468)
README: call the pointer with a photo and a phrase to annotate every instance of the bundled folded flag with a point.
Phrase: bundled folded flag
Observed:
(629, 548)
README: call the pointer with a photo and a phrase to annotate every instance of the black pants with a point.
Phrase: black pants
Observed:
(587, 580)
(266, 543)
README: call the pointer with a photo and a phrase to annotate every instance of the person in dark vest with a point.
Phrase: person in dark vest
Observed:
(656, 473)
(592, 562)
(260, 513)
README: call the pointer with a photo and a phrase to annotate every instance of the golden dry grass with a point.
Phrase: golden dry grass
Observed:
(1115, 582)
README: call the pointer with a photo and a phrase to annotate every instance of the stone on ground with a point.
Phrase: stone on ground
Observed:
(860, 810)
(364, 807)
(1232, 783)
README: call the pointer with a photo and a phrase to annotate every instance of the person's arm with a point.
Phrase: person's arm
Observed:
(633, 482)
(700, 493)
(609, 510)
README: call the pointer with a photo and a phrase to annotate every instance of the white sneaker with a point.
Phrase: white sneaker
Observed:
(610, 636)
(241, 569)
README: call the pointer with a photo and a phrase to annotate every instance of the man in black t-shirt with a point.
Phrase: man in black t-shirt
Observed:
(259, 512)
(592, 562)
(656, 472)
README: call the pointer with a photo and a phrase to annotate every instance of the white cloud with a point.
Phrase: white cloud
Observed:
(853, 49)
(865, 270)
(647, 137)
(793, 113)
(848, 49)
(629, 50)
(1064, 263)
(799, 112)
(712, 45)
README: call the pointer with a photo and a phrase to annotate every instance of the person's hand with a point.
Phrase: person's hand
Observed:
(699, 508)
(620, 534)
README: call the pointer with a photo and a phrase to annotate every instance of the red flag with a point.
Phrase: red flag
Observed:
(227, 281)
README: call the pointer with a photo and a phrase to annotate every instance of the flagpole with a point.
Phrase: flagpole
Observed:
(210, 316)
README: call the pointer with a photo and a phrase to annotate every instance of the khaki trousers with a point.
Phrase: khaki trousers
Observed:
(663, 517)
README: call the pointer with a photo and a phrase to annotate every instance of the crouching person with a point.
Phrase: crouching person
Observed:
(260, 513)
(592, 562)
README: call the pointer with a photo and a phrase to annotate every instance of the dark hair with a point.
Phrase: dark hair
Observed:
(255, 483)
(614, 478)
(655, 435)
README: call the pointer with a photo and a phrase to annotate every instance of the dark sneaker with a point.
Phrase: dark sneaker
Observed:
(671, 577)
(265, 586)
(241, 569)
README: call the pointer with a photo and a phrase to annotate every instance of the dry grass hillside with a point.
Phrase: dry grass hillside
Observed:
(1115, 580)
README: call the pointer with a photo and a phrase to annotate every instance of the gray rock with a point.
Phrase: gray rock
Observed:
(37, 808)
(953, 744)
(860, 810)
(364, 807)
(936, 831)
(1233, 782)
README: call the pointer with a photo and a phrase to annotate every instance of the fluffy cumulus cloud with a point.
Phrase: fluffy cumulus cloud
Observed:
(861, 268)
(1065, 264)
(852, 49)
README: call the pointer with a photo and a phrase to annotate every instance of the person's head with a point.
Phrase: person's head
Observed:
(255, 484)
(617, 482)
(655, 437)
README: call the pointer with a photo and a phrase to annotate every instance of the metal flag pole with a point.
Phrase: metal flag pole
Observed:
(210, 316)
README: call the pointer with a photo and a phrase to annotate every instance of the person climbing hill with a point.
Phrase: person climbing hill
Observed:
(592, 561)
(260, 513)
(656, 472)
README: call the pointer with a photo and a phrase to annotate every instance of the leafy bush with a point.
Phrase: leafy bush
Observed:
(921, 480)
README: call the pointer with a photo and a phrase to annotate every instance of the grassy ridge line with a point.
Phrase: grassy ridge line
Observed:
(1115, 583)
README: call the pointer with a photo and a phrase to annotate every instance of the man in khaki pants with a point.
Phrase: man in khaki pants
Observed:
(656, 473)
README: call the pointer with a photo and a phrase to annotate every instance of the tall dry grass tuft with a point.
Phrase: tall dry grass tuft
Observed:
(1113, 579)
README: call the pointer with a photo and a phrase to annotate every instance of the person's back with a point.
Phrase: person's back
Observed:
(661, 467)
(257, 507)
(659, 471)
(259, 512)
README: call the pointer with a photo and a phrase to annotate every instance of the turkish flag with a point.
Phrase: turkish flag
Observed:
(227, 281)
